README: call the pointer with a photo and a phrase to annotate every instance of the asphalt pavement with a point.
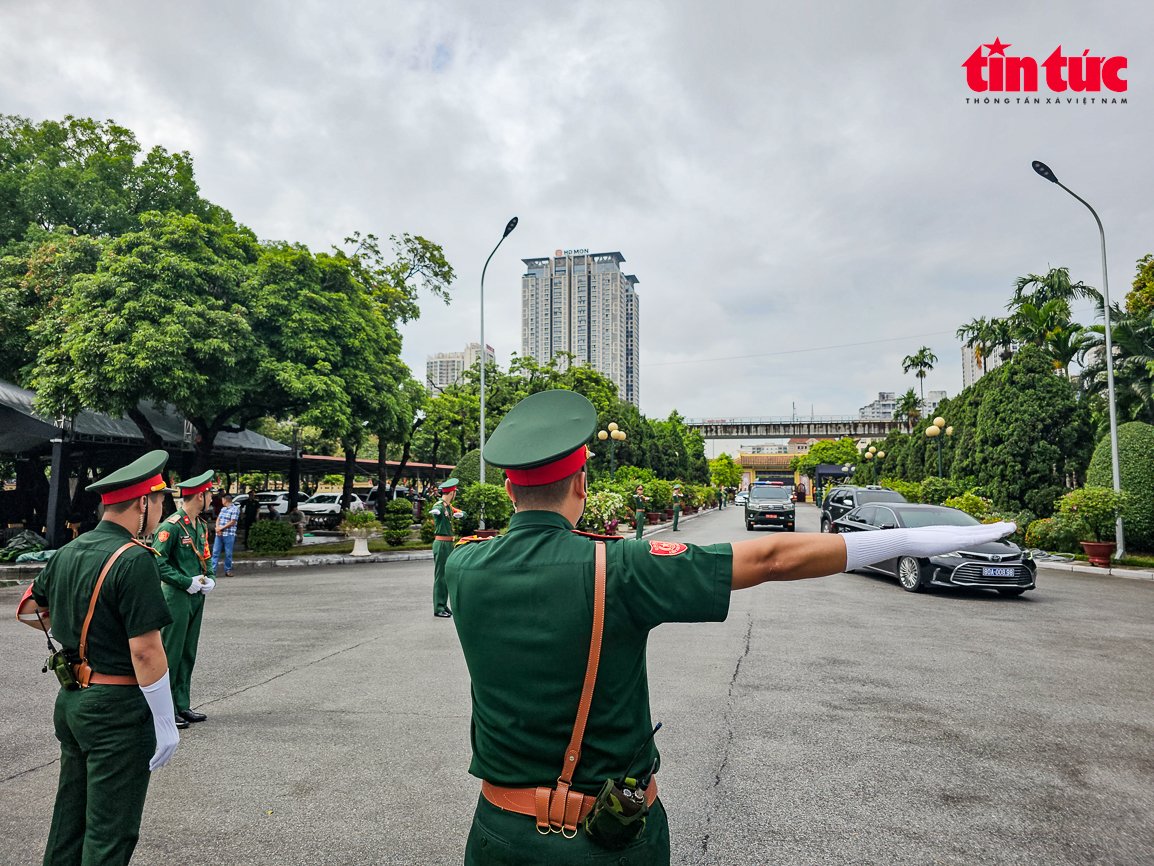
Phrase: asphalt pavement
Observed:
(833, 721)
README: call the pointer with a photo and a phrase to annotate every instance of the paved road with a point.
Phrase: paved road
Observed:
(833, 721)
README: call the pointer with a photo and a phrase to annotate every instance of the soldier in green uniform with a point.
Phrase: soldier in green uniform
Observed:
(524, 606)
(119, 728)
(182, 540)
(443, 515)
(639, 500)
(677, 497)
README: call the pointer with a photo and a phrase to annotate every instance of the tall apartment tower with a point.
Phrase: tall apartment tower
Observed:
(973, 368)
(582, 303)
(445, 368)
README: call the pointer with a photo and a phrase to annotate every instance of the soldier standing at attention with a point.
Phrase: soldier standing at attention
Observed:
(443, 515)
(639, 500)
(103, 594)
(543, 605)
(182, 541)
(677, 497)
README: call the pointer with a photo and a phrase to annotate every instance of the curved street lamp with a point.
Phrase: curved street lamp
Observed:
(935, 431)
(512, 224)
(1120, 540)
(614, 434)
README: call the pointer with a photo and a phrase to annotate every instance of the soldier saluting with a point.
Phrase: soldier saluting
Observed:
(114, 720)
(639, 500)
(443, 514)
(182, 541)
(567, 765)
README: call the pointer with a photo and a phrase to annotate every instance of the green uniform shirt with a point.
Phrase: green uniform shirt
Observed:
(130, 602)
(523, 608)
(640, 502)
(442, 518)
(182, 542)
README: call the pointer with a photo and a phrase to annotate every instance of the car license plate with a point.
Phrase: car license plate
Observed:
(992, 571)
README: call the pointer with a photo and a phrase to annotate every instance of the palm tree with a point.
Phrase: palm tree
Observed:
(1035, 323)
(923, 361)
(1055, 285)
(909, 407)
(977, 336)
(1002, 337)
(1133, 343)
(1065, 344)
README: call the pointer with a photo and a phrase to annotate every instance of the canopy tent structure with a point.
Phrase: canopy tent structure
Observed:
(89, 444)
(827, 472)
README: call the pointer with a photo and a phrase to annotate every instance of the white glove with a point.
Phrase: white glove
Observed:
(159, 697)
(866, 548)
(458, 514)
(209, 585)
(195, 587)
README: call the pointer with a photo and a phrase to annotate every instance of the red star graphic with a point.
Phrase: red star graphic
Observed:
(997, 46)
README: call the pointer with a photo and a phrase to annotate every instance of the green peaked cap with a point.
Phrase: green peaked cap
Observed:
(542, 428)
(448, 484)
(196, 481)
(140, 469)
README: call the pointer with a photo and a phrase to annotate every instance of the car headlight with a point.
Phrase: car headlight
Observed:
(952, 555)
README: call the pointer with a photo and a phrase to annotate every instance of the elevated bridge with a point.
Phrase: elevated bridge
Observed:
(816, 426)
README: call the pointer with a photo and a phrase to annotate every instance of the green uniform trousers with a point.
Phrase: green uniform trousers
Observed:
(639, 517)
(180, 641)
(505, 838)
(676, 516)
(106, 741)
(441, 551)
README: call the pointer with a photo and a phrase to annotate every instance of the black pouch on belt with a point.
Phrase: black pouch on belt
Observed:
(618, 814)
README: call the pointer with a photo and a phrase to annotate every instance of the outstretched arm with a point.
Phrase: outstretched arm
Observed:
(796, 557)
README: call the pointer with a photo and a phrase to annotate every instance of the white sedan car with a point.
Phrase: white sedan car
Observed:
(324, 509)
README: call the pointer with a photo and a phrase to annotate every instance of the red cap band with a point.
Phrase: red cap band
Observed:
(206, 486)
(140, 488)
(550, 472)
(445, 490)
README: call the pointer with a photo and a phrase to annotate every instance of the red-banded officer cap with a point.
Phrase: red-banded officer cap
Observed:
(543, 437)
(139, 478)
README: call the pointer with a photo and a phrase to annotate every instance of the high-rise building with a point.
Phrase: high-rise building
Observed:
(881, 409)
(974, 366)
(445, 368)
(583, 303)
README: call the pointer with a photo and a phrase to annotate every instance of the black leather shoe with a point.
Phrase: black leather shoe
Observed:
(193, 716)
(181, 722)
(443, 613)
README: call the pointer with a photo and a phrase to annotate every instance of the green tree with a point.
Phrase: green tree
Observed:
(1140, 299)
(909, 408)
(724, 471)
(1133, 343)
(840, 451)
(1054, 285)
(922, 361)
(978, 335)
(89, 176)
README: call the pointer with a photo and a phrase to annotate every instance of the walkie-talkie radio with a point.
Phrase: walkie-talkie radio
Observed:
(619, 811)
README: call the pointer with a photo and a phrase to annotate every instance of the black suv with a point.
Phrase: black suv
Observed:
(841, 499)
(770, 505)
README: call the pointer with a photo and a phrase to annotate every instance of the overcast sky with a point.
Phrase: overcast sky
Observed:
(780, 176)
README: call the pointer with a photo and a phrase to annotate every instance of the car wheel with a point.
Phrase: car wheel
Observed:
(910, 574)
(1012, 592)
(748, 526)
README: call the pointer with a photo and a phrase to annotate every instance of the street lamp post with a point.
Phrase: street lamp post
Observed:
(935, 431)
(869, 455)
(614, 434)
(878, 458)
(1044, 170)
(512, 224)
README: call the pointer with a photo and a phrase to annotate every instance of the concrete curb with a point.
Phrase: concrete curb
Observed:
(1131, 573)
(25, 573)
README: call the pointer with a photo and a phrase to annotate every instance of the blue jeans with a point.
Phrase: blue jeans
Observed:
(227, 541)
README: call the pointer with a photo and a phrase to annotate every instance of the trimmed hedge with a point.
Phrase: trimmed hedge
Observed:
(398, 519)
(1136, 467)
(271, 536)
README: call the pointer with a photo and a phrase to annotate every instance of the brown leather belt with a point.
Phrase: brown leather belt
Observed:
(525, 801)
(443, 538)
(96, 679)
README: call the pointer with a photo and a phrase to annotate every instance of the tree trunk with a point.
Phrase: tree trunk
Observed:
(382, 469)
(350, 472)
(151, 437)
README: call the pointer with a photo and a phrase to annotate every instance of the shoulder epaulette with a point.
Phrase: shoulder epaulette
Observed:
(596, 536)
(469, 539)
(145, 545)
(173, 518)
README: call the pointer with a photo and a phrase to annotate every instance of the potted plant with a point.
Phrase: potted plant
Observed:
(1097, 508)
(489, 500)
(602, 510)
(360, 526)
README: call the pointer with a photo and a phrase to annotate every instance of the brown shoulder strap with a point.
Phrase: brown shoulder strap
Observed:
(573, 753)
(83, 649)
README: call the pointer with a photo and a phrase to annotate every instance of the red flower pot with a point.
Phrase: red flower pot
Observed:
(1099, 552)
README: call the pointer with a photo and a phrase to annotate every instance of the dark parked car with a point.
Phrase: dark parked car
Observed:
(841, 500)
(769, 505)
(1000, 565)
